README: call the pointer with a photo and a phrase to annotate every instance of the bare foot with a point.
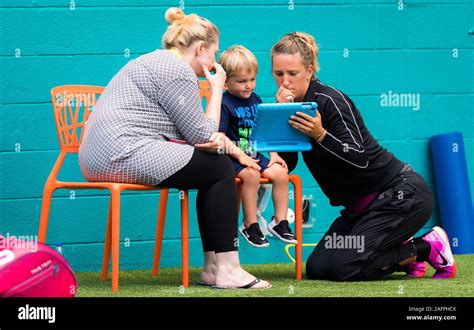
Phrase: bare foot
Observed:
(207, 277)
(208, 274)
(235, 277)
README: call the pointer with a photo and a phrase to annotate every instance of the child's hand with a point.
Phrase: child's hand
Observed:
(248, 161)
(276, 159)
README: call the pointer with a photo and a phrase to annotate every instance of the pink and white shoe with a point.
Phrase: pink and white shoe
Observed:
(440, 258)
(416, 269)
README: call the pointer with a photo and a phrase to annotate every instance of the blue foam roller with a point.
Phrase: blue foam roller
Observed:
(452, 187)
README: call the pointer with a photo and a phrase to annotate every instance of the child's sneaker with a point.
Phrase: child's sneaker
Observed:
(441, 257)
(253, 235)
(282, 231)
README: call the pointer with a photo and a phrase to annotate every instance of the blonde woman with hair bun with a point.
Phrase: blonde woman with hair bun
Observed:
(148, 127)
(385, 202)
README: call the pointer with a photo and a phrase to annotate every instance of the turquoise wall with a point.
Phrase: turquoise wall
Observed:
(367, 48)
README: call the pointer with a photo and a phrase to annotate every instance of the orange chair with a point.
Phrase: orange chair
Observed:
(72, 105)
(298, 187)
(298, 201)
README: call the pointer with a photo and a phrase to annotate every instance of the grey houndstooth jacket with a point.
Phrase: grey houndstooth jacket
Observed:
(152, 99)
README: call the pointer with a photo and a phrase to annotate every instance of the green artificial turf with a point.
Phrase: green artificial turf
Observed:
(140, 283)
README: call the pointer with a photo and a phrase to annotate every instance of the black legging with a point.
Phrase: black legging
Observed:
(216, 204)
(397, 214)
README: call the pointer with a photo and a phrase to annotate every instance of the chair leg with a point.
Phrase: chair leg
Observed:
(185, 239)
(45, 209)
(115, 229)
(239, 199)
(298, 187)
(107, 246)
(160, 225)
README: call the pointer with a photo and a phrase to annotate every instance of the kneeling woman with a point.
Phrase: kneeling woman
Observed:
(385, 201)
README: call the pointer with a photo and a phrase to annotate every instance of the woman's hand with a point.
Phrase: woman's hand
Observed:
(215, 145)
(284, 95)
(311, 126)
(217, 80)
(248, 161)
(276, 159)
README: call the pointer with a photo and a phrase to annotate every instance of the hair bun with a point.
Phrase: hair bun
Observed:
(174, 14)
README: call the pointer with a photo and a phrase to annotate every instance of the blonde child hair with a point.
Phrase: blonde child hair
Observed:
(184, 30)
(301, 43)
(236, 59)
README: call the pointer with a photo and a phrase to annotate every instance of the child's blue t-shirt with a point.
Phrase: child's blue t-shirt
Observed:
(238, 118)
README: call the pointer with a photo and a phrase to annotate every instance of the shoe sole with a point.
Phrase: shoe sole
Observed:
(453, 275)
(444, 236)
(274, 233)
(253, 244)
(249, 286)
(215, 287)
(454, 270)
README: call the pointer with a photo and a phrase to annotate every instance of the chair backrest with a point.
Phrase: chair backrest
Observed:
(205, 90)
(72, 105)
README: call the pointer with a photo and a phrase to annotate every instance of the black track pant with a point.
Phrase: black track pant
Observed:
(369, 244)
(216, 204)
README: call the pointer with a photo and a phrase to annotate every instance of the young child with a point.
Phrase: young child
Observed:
(238, 112)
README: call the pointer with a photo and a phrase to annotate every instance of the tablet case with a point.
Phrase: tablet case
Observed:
(273, 133)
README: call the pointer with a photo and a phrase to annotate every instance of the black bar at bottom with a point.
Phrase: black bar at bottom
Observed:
(191, 313)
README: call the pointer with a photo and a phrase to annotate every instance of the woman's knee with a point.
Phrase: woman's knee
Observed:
(223, 167)
(318, 265)
(331, 266)
(345, 272)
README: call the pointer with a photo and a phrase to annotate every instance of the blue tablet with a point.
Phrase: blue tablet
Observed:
(272, 133)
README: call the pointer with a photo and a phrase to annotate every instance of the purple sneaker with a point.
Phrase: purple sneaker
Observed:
(441, 257)
(416, 269)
